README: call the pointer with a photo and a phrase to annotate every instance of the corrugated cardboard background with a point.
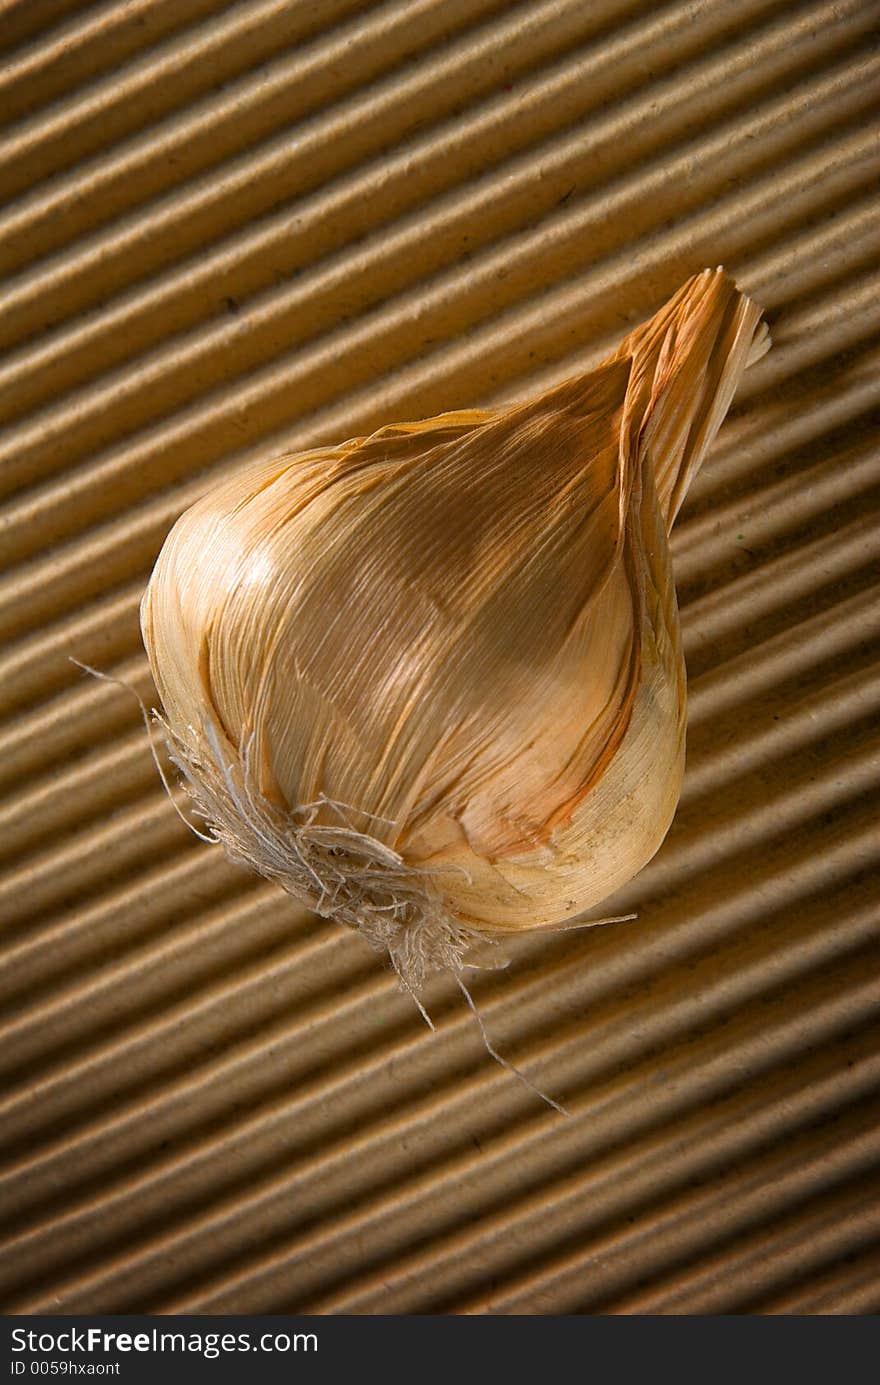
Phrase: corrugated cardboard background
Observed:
(228, 228)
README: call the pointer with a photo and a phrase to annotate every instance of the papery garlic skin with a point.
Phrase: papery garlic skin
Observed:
(432, 680)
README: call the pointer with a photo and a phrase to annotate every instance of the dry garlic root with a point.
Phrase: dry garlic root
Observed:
(431, 680)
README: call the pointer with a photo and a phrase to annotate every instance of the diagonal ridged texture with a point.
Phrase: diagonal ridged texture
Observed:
(227, 228)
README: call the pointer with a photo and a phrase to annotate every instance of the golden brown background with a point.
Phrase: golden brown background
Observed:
(228, 228)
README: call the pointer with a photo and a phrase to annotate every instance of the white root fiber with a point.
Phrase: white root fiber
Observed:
(335, 870)
(332, 868)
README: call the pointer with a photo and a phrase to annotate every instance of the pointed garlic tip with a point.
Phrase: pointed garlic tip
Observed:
(431, 680)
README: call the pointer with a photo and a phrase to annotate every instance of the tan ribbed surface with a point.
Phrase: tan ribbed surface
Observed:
(230, 227)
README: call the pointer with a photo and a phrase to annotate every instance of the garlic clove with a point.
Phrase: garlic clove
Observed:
(431, 680)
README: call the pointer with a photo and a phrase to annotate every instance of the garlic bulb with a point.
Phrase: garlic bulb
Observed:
(431, 680)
